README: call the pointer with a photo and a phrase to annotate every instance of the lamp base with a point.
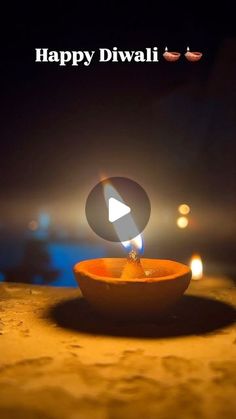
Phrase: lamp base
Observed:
(132, 298)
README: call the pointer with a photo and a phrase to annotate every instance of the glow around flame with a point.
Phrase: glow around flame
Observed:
(196, 267)
(136, 242)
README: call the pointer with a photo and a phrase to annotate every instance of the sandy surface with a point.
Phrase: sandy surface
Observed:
(59, 360)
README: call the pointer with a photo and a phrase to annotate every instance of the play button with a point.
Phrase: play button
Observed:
(117, 209)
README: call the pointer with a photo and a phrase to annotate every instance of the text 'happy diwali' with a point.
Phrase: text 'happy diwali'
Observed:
(104, 55)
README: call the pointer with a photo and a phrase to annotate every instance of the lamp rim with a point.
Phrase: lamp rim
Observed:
(182, 270)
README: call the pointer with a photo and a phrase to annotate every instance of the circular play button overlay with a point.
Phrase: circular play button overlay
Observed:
(118, 209)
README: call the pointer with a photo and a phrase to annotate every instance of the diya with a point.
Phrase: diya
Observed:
(171, 56)
(132, 288)
(193, 55)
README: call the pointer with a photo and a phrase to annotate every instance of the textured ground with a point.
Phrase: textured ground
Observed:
(58, 360)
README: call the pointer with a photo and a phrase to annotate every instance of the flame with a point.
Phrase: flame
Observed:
(196, 267)
(136, 242)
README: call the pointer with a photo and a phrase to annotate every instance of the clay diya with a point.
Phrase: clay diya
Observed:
(132, 288)
(193, 55)
(171, 56)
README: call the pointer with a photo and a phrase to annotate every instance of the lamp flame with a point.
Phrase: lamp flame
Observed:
(196, 267)
(135, 243)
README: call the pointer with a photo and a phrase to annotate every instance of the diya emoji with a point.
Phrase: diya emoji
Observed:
(171, 56)
(193, 55)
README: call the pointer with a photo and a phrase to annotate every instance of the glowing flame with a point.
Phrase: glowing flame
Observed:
(128, 226)
(136, 243)
(196, 267)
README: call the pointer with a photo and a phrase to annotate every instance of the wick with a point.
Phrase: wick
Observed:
(132, 269)
(133, 256)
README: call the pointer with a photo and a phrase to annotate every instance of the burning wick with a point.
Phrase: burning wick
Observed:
(133, 268)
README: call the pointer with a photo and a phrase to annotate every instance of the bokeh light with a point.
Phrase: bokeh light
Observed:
(2, 276)
(184, 209)
(182, 222)
(33, 225)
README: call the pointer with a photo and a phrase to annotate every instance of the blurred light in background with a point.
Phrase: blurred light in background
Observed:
(2, 276)
(184, 209)
(44, 220)
(182, 222)
(196, 267)
(33, 225)
(63, 256)
(40, 228)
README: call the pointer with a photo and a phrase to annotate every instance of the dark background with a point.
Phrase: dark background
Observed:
(169, 126)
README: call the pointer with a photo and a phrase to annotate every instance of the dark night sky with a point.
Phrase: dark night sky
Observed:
(157, 123)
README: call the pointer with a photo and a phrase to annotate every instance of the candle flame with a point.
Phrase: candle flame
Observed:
(196, 267)
(135, 243)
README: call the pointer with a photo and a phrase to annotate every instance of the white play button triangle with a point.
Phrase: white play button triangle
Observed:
(116, 209)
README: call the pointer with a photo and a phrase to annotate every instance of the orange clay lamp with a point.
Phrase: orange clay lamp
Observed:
(193, 55)
(132, 288)
(171, 55)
